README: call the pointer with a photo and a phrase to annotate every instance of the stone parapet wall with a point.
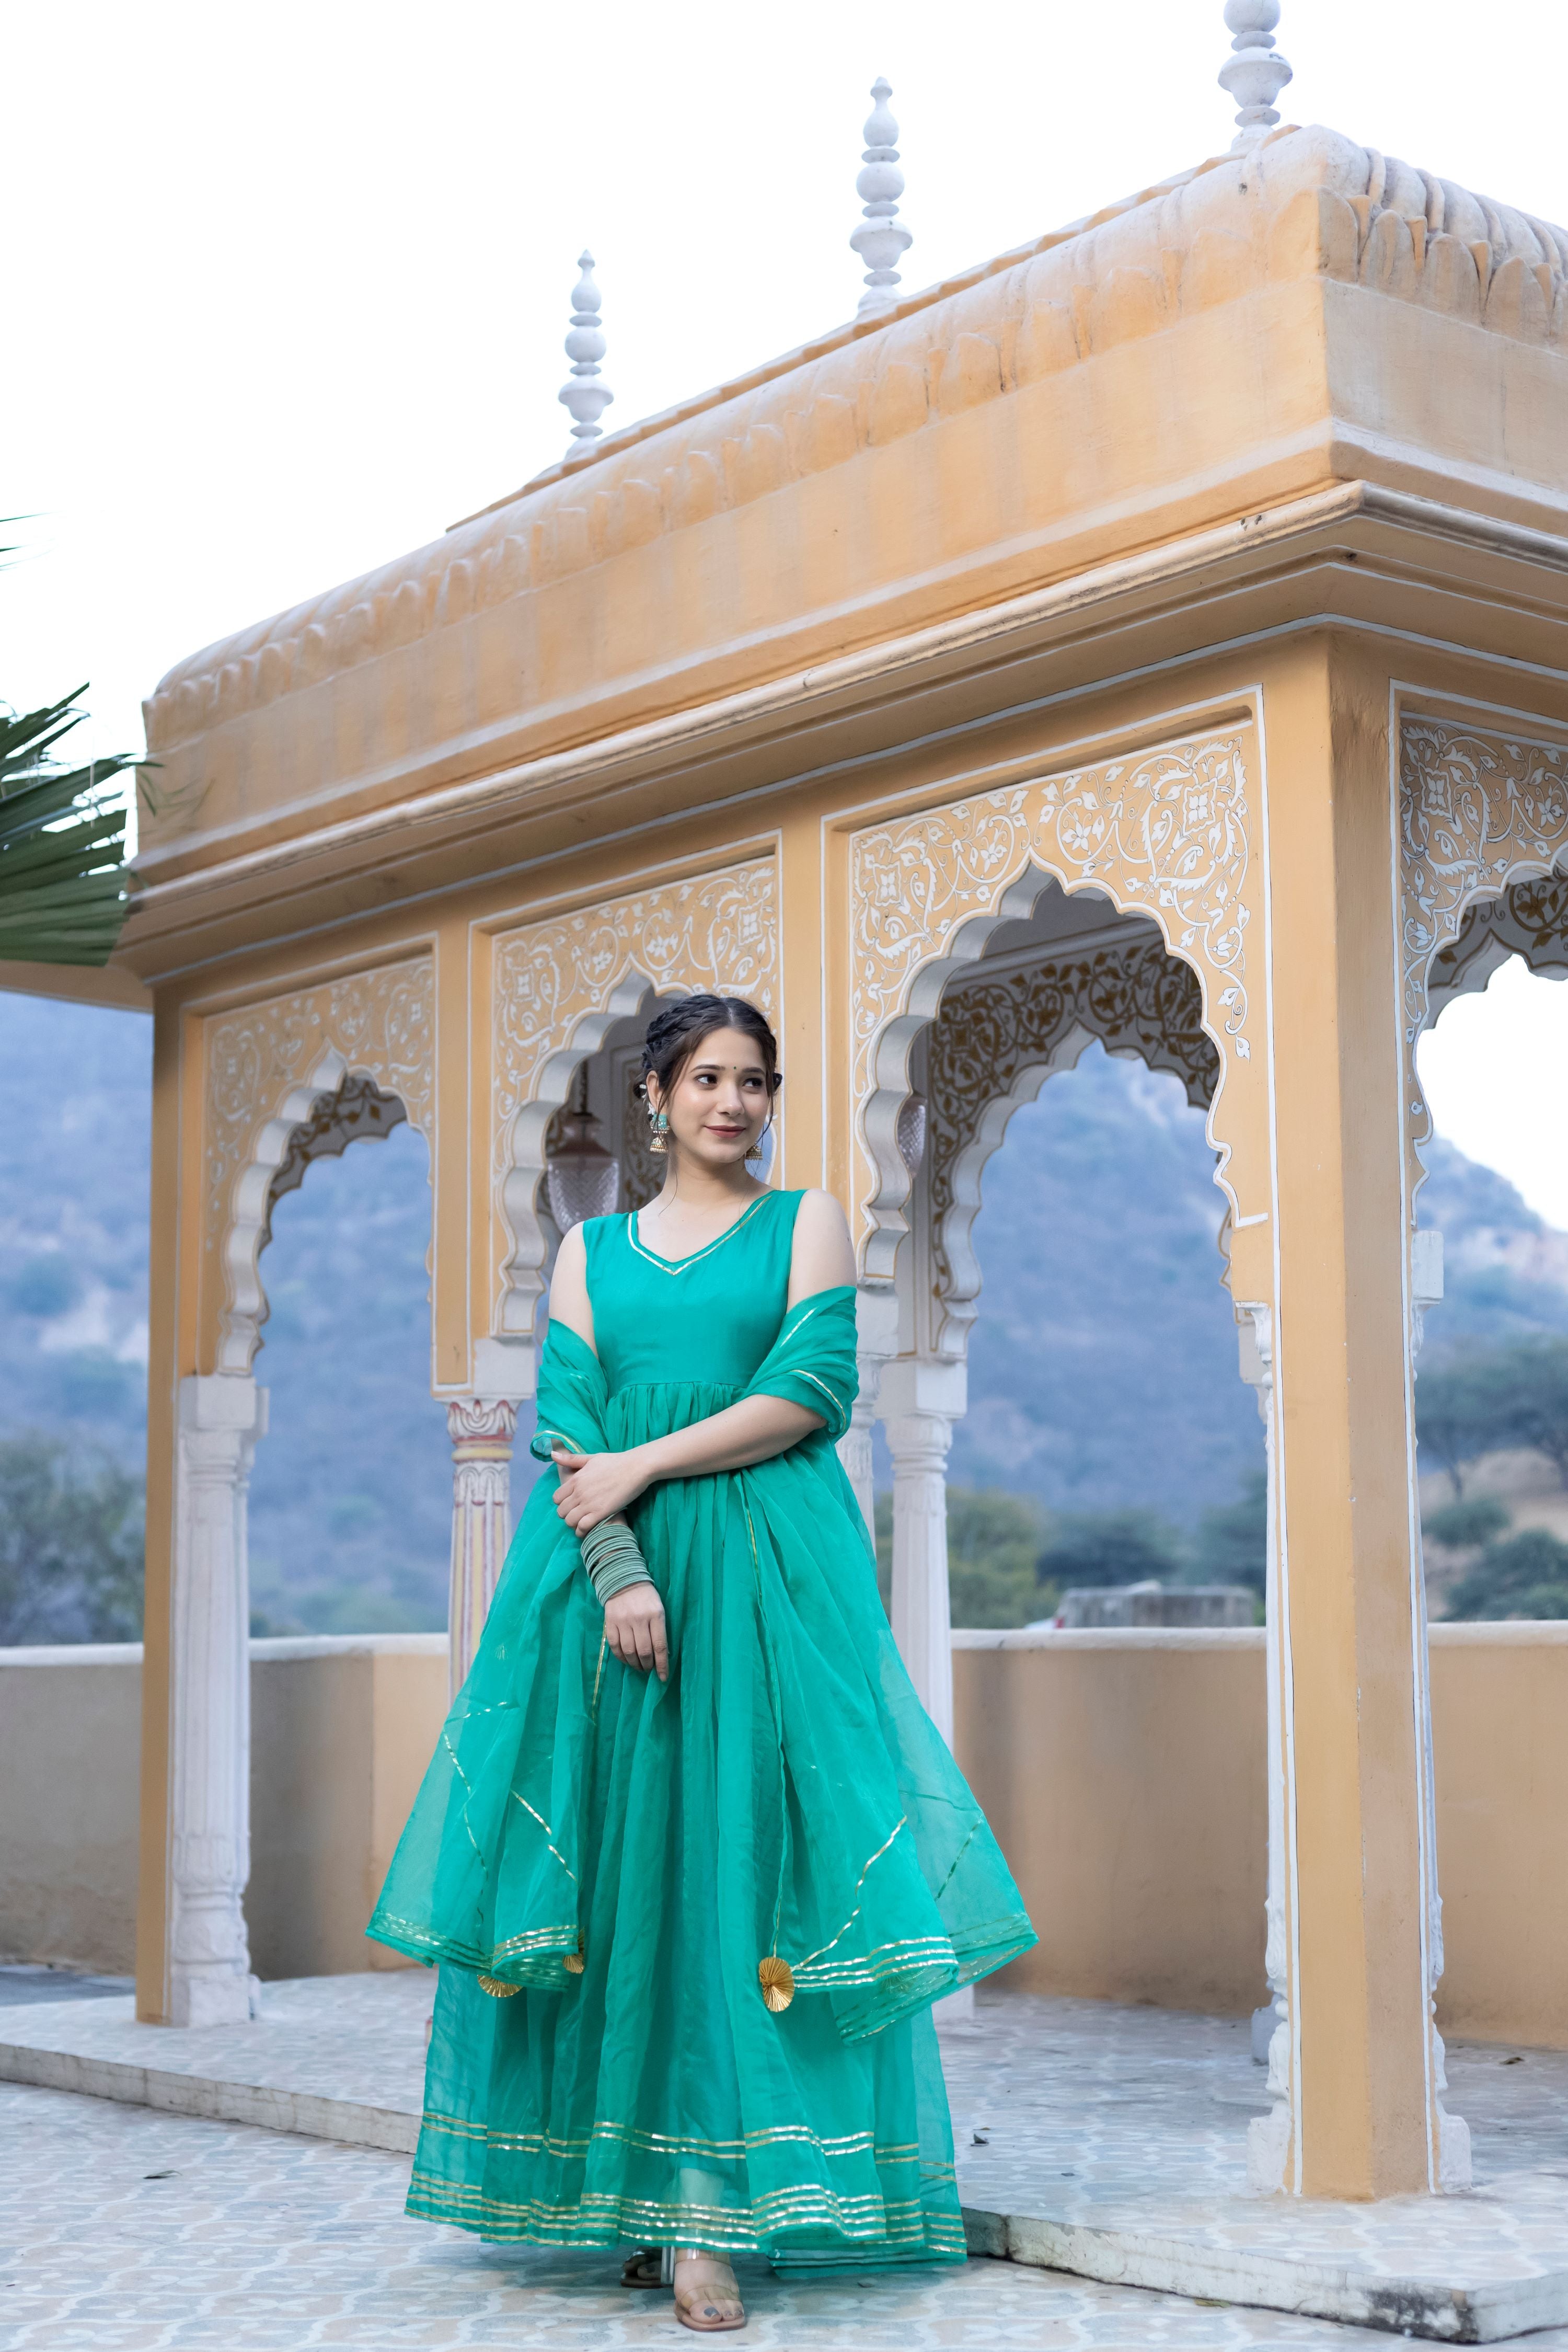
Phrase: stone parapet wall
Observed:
(1123, 1771)
(342, 1728)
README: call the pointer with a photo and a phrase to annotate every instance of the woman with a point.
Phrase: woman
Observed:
(695, 1859)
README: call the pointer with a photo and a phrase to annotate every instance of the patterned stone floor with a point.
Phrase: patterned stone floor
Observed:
(123, 2231)
(1107, 2132)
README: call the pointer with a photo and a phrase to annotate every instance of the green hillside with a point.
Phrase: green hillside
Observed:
(1104, 1369)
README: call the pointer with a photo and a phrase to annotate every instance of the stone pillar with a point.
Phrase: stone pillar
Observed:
(920, 1399)
(1357, 1897)
(482, 1430)
(854, 1450)
(876, 1338)
(1271, 2148)
(221, 1414)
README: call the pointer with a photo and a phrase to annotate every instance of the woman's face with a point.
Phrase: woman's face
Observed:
(719, 1104)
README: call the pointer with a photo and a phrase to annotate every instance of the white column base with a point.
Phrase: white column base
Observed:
(221, 1998)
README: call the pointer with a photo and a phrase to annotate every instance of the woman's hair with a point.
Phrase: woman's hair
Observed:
(677, 1030)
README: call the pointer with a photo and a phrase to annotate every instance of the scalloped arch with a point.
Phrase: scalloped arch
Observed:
(1165, 833)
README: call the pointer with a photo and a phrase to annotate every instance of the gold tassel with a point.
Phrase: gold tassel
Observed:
(777, 1978)
(496, 1990)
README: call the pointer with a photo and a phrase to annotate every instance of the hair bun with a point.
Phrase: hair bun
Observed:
(679, 1027)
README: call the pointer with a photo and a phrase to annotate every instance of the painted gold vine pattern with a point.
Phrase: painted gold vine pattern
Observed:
(1164, 833)
(380, 1023)
(1137, 1000)
(714, 931)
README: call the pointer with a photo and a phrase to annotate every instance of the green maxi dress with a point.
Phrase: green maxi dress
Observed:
(601, 1861)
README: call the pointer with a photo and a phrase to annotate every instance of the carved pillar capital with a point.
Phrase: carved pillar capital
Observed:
(482, 1430)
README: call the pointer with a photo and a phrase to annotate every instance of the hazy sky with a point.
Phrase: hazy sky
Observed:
(288, 285)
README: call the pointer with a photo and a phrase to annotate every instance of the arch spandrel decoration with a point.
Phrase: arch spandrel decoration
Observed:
(995, 1042)
(1168, 834)
(1483, 817)
(267, 1067)
(561, 986)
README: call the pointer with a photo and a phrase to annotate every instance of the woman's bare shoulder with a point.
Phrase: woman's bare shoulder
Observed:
(569, 1300)
(822, 1258)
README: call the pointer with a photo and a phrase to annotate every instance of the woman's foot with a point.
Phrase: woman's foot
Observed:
(646, 2267)
(707, 2297)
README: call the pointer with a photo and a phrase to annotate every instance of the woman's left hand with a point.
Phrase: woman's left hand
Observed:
(594, 1486)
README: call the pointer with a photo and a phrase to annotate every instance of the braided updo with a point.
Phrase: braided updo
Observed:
(677, 1030)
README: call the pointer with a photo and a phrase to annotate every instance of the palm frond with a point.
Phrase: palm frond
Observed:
(62, 845)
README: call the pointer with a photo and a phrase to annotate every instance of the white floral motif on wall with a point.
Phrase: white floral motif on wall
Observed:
(1475, 809)
(379, 1022)
(1165, 834)
(717, 930)
(1478, 810)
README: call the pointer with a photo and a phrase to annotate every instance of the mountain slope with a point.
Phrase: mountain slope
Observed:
(1103, 1367)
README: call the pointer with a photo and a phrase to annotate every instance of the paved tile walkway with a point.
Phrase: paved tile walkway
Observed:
(123, 2230)
(21, 1985)
(1091, 2139)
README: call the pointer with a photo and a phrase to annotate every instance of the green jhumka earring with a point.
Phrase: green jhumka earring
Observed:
(660, 1124)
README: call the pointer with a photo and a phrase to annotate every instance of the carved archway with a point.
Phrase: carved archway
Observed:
(1165, 834)
(577, 984)
(997, 1038)
(288, 1080)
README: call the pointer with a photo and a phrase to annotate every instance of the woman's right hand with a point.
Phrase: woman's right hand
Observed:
(635, 1628)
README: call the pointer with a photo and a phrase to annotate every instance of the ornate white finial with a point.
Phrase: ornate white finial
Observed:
(883, 240)
(1254, 75)
(585, 348)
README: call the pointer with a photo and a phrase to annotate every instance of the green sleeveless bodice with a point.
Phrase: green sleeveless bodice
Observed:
(706, 1320)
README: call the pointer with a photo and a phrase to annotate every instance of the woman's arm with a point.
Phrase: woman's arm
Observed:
(594, 1486)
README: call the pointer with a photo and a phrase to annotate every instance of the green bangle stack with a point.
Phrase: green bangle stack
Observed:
(611, 1556)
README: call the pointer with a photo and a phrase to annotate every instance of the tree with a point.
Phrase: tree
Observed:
(1466, 1527)
(1233, 1537)
(1527, 1576)
(1110, 1548)
(1531, 1378)
(1467, 1408)
(993, 1541)
(62, 879)
(993, 1538)
(71, 1543)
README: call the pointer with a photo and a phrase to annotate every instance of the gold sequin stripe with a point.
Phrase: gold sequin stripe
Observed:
(837, 1415)
(895, 2222)
(605, 2221)
(468, 1800)
(545, 1942)
(914, 1958)
(679, 1266)
(801, 1967)
(667, 2144)
(935, 2242)
(808, 2201)
(546, 1827)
